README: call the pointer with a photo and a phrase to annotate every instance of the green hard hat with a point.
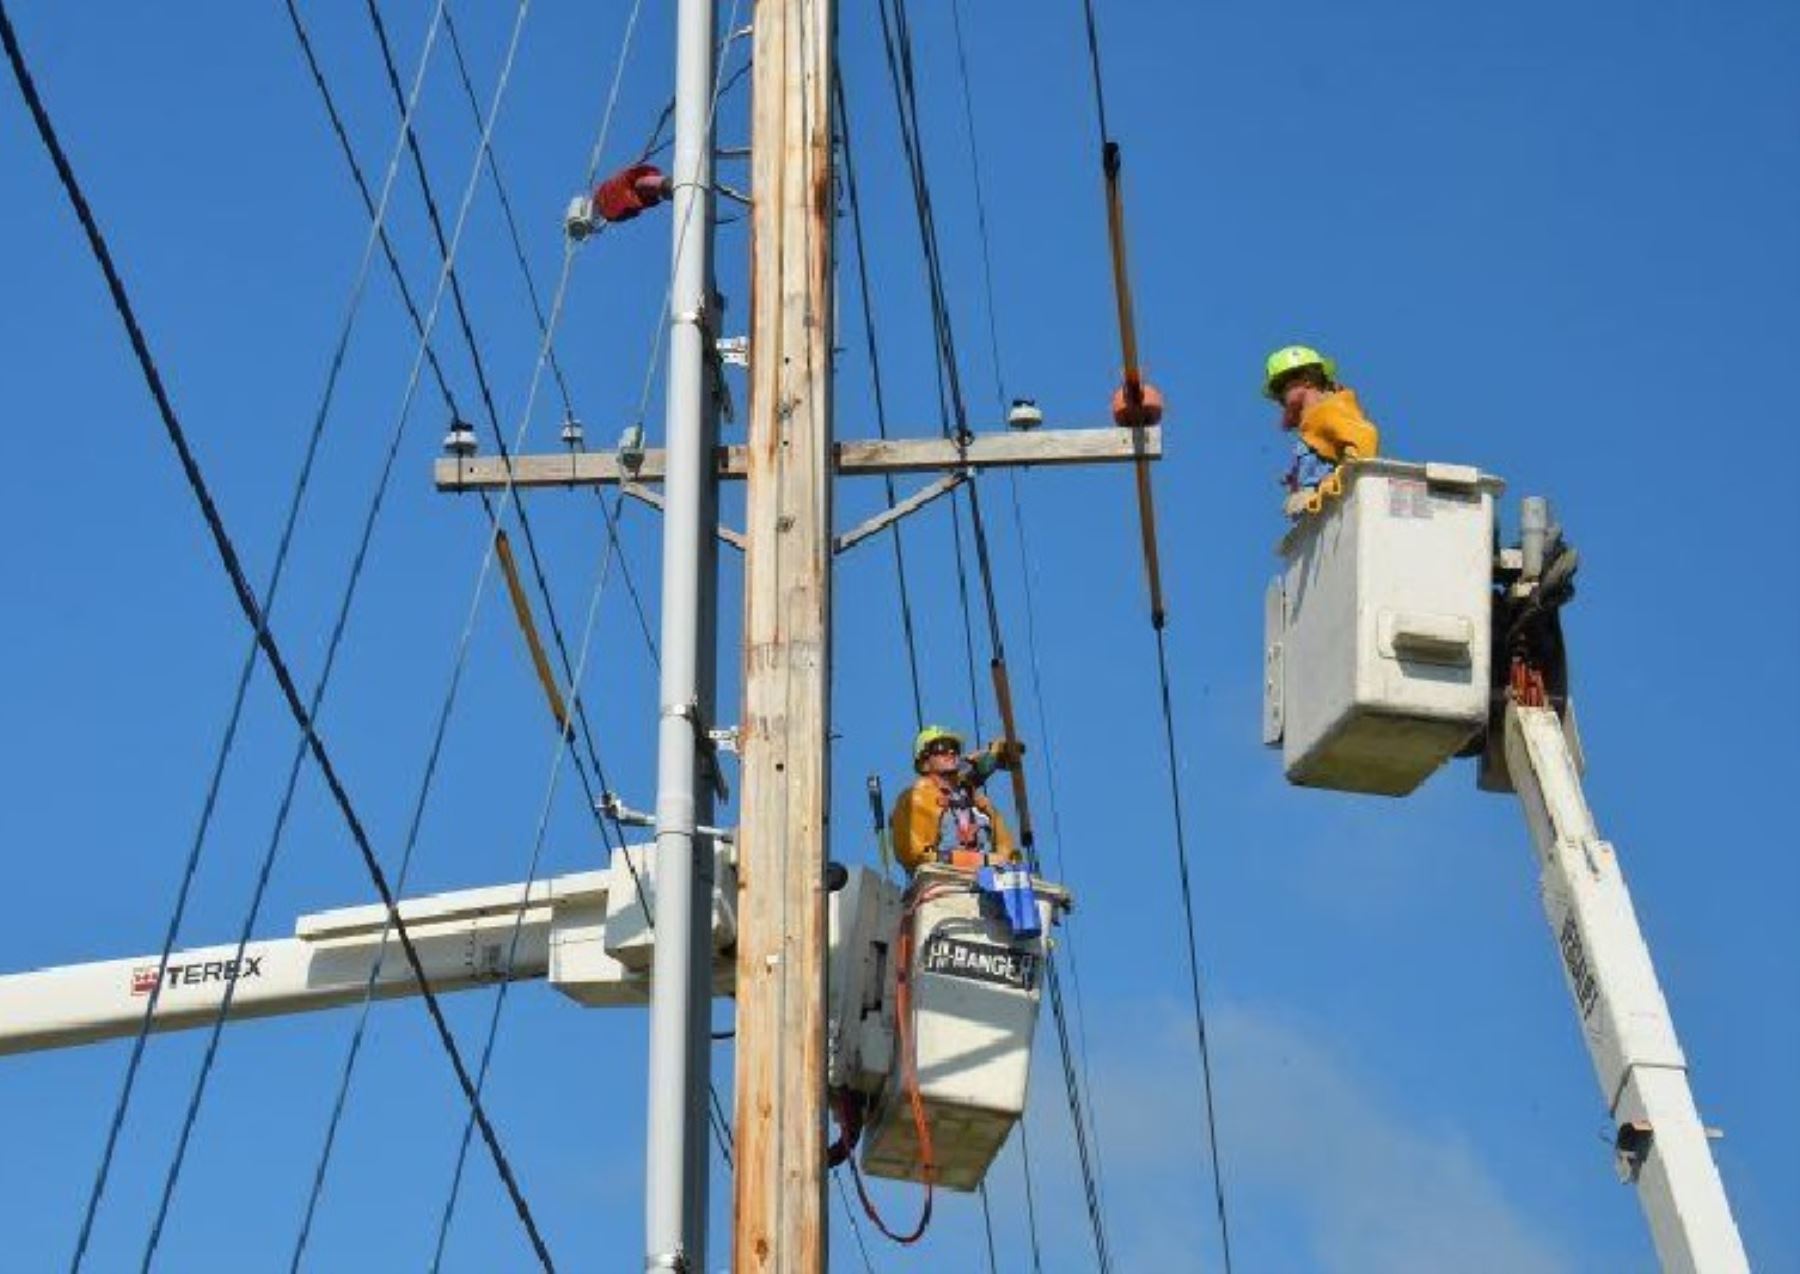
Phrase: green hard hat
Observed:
(1291, 358)
(933, 734)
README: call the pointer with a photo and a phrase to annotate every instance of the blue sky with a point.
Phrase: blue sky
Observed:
(1558, 242)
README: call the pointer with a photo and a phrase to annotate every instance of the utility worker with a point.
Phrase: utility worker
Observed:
(1331, 426)
(945, 815)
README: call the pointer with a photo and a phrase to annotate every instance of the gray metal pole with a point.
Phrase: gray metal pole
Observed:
(676, 1159)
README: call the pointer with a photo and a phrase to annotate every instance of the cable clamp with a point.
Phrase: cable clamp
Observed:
(733, 351)
(610, 806)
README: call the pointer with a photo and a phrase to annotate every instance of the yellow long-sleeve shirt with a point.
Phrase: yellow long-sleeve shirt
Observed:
(1335, 426)
(920, 825)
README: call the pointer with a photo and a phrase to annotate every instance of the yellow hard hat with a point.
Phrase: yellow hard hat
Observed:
(1290, 358)
(931, 734)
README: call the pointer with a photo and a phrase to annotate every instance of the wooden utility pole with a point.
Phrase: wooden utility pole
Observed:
(789, 463)
(780, 1155)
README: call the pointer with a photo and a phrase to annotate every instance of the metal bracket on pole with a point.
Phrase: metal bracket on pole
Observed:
(612, 807)
(707, 742)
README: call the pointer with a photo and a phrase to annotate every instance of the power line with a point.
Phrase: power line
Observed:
(720, 1129)
(247, 669)
(446, 707)
(531, 874)
(609, 515)
(953, 419)
(253, 611)
(1047, 751)
(855, 1226)
(362, 189)
(500, 191)
(981, 219)
(198, 1092)
(478, 364)
(881, 419)
(1000, 398)
(1187, 912)
(1037, 1256)
(897, 41)
(987, 1226)
(1093, 44)
(1133, 394)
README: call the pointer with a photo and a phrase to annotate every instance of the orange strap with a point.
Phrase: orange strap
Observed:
(909, 1079)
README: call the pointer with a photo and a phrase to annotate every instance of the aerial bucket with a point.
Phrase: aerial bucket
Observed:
(1378, 638)
(971, 1007)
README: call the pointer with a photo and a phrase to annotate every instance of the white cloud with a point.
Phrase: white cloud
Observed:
(1321, 1164)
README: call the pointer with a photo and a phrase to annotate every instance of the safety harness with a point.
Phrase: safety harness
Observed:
(969, 826)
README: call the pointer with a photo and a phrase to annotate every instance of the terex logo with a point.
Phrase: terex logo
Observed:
(143, 978)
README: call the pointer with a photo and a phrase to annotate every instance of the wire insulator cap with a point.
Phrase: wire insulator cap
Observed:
(1025, 414)
(460, 441)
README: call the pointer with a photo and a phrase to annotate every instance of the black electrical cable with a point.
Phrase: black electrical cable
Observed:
(500, 192)
(953, 419)
(1109, 159)
(609, 515)
(897, 41)
(720, 1130)
(1093, 44)
(252, 610)
(1037, 1255)
(1187, 912)
(368, 199)
(265, 871)
(987, 1226)
(228, 739)
(1000, 399)
(855, 1226)
(881, 419)
(1072, 1089)
(577, 707)
(588, 784)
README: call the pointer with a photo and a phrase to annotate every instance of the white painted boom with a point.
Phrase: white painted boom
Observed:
(1662, 1145)
(587, 932)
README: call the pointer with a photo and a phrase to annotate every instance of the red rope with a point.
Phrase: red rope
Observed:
(909, 1075)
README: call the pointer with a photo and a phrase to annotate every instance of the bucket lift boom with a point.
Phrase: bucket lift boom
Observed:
(586, 932)
(975, 1001)
(1660, 1143)
(1397, 639)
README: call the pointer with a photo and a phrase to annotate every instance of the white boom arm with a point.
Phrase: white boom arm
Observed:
(1662, 1145)
(587, 932)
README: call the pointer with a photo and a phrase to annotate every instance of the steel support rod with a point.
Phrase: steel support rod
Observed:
(675, 1159)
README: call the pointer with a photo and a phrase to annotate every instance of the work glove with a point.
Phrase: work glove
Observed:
(1298, 502)
(1007, 754)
